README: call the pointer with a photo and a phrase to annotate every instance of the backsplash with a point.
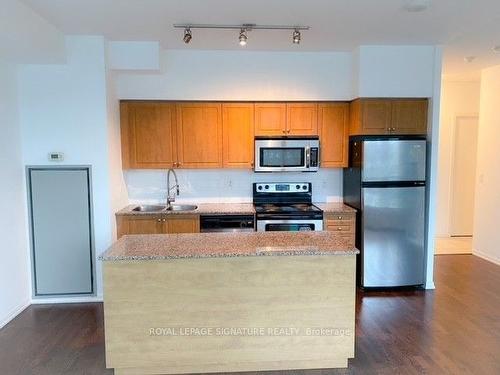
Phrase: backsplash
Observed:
(224, 185)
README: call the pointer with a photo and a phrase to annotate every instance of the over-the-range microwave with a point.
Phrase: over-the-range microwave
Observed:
(286, 154)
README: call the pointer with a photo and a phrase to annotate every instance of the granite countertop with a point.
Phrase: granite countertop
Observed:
(218, 245)
(228, 209)
(203, 209)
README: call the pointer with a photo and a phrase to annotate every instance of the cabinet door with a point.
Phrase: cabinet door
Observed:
(139, 225)
(409, 116)
(147, 134)
(199, 135)
(375, 116)
(270, 119)
(334, 134)
(238, 135)
(183, 224)
(302, 119)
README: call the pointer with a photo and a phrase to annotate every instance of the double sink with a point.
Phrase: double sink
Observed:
(160, 208)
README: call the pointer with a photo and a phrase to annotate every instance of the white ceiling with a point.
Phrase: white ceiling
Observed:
(464, 27)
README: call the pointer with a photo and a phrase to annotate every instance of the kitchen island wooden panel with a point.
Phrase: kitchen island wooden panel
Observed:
(225, 302)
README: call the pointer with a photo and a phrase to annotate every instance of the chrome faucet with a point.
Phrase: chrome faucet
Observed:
(170, 198)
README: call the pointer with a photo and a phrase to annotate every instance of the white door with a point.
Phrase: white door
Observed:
(463, 176)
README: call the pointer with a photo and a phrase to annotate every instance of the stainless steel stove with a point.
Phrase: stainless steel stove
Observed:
(286, 207)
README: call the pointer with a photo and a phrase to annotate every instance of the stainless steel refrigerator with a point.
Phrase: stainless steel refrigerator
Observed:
(386, 183)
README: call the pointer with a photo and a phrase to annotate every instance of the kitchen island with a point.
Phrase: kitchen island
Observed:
(223, 302)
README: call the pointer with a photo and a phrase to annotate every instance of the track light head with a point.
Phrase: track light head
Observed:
(243, 37)
(187, 35)
(296, 37)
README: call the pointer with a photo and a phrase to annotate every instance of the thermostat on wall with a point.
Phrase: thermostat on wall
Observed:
(56, 156)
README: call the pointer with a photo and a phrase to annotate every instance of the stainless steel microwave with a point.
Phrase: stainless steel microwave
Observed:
(290, 154)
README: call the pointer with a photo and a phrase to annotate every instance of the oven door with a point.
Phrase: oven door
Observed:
(281, 155)
(289, 225)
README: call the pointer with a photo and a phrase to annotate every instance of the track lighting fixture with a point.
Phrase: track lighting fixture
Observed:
(187, 35)
(243, 29)
(243, 37)
(296, 37)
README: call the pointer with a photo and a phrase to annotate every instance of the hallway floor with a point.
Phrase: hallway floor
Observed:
(452, 330)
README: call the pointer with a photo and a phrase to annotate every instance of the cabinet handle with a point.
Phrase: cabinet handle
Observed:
(163, 220)
(179, 164)
(284, 131)
(159, 220)
(339, 228)
(340, 217)
(288, 131)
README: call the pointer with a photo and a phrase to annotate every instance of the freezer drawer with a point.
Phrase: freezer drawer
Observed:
(393, 226)
(393, 160)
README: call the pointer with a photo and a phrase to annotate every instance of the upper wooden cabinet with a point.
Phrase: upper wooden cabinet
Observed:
(237, 135)
(388, 116)
(409, 116)
(270, 119)
(199, 135)
(302, 118)
(142, 125)
(280, 119)
(333, 124)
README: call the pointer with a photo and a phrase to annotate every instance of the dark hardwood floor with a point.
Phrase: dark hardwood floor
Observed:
(452, 330)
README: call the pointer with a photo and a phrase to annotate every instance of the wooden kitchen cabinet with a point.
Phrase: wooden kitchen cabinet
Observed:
(183, 224)
(139, 225)
(237, 135)
(143, 125)
(157, 224)
(344, 223)
(388, 116)
(409, 116)
(270, 119)
(370, 116)
(333, 126)
(302, 119)
(199, 135)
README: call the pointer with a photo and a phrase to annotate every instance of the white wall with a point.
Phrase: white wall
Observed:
(395, 71)
(237, 75)
(458, 98)
(14, 264)
(63, 108)
(487, 202)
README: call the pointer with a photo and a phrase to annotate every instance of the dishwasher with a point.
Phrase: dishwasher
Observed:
(227, 223)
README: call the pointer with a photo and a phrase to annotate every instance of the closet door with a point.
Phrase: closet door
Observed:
(61, 230)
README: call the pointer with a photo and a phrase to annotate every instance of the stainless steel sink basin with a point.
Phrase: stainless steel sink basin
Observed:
(182, 207)
(149, 208)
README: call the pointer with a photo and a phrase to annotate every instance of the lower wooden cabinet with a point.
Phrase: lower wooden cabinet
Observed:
(342, 223)
(157, 224)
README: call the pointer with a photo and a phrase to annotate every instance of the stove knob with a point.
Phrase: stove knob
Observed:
(267, 187)
(304, 187)
(297, 187)
(260, 187)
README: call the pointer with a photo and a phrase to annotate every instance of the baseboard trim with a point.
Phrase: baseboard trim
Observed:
(13, 313)
(58, 300)
(486, 257)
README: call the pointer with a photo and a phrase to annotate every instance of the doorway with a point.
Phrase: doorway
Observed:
(463, 176)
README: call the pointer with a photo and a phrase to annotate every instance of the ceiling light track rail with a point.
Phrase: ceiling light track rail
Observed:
(244, 26)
